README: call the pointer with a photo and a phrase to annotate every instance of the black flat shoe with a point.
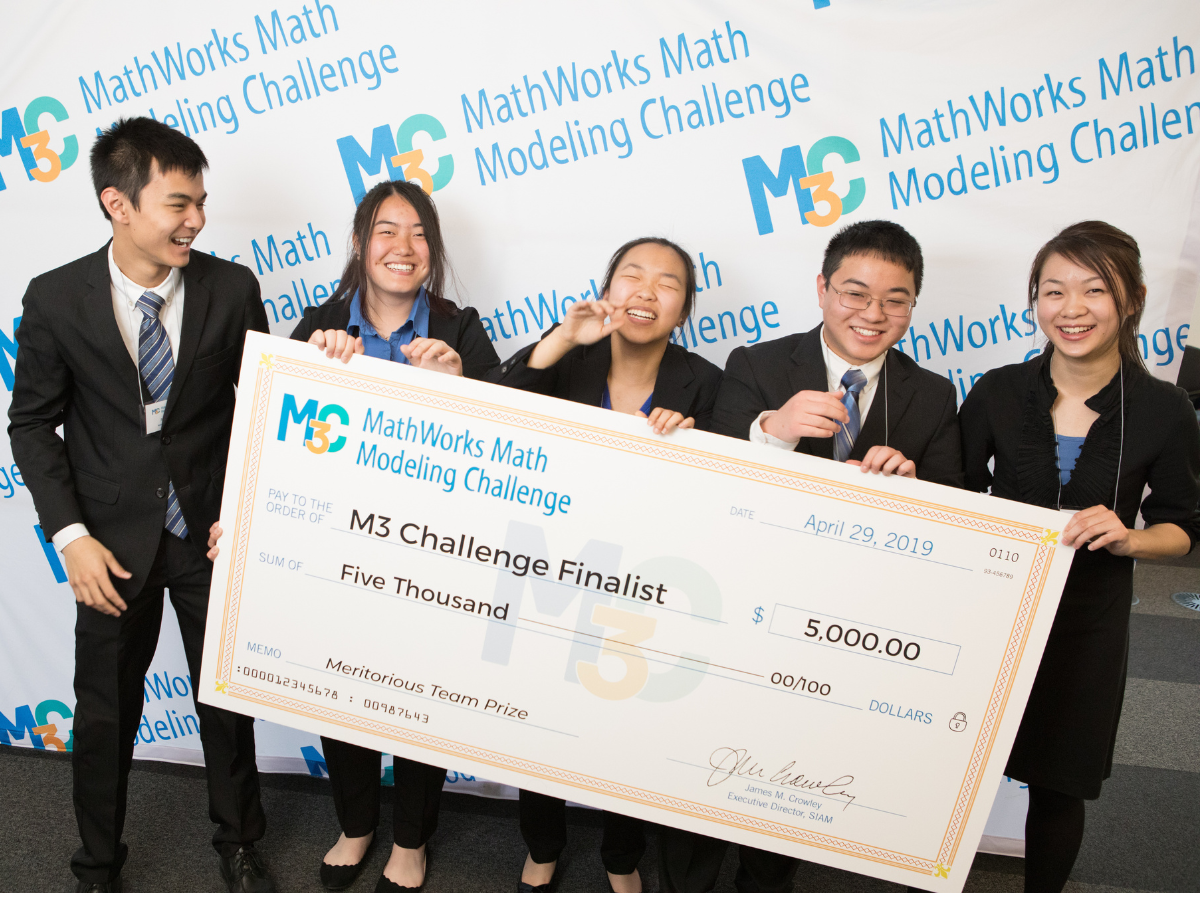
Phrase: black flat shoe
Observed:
(93, 887)
(550, 887)
(386, 886)
(338, 878)
(246, 872)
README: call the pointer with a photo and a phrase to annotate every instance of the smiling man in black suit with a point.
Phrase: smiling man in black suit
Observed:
(134, 351)
(840, 392)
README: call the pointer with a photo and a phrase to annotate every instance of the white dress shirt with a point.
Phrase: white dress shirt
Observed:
(125, 295)
(835, 368)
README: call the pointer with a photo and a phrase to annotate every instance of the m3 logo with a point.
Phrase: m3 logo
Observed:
(811, 180)
(32, 142)
(403, 161)
(317, 424)
(36, 727)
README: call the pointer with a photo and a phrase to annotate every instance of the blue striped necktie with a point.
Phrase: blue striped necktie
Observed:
(843, 442)
(158, 368)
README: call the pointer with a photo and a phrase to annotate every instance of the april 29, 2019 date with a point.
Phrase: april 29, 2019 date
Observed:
(865, 534)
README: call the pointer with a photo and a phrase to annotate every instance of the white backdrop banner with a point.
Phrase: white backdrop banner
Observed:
(548, 135)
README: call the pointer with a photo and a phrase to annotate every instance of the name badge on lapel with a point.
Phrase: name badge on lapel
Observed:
(154, 416)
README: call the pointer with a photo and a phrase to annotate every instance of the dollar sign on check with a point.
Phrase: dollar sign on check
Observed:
(758, 611)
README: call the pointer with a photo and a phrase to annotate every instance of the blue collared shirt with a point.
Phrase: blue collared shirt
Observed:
(374, 344)
(606, 402)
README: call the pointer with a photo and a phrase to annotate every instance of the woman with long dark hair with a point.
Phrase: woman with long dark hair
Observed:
(390, 304)
(1083, 426)
(615, 352)
(391, 296)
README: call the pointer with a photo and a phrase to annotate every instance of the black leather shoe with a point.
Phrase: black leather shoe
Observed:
(92, 887)
(385, 885)
(338, 878)
(246, 872)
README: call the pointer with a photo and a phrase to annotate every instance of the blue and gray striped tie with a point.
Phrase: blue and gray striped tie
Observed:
(158, 368)
(843, 442)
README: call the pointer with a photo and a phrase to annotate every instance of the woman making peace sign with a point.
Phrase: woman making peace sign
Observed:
(615, 353)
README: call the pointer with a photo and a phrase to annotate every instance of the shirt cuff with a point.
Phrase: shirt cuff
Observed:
(758, 436)
(68, 534)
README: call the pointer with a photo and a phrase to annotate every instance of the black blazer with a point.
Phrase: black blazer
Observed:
(920, 406)
(1009, 446)
(74, 370)
(686, 382)
(462, 331)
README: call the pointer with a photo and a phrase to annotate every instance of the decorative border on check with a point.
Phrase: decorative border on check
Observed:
(241, 524)
(1043, 539)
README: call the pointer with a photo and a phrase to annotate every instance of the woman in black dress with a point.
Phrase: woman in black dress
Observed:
(616, 353)
(389, 305)
(1084, 426)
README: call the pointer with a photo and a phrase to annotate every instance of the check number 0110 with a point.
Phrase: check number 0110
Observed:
(632, 629)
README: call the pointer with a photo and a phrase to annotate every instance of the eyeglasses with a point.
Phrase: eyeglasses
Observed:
(892, 306)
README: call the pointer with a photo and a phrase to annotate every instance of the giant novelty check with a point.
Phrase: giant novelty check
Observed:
(693, 630)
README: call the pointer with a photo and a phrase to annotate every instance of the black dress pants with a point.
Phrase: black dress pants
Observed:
(690, 863)
(112, 655)
(354, 781)
(544, 828)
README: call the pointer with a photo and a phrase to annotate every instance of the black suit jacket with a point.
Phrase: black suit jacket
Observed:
(462, 331)
(74, 370)
(686, 382)
(920, 407)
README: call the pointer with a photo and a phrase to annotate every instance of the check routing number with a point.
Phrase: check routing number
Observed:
(693, 630)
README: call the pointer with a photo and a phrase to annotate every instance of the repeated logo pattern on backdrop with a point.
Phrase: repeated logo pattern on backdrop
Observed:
(547, 138)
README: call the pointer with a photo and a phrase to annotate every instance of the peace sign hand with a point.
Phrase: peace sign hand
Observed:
(583, 324)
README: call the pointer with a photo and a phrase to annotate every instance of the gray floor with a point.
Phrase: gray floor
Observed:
(1143, 833)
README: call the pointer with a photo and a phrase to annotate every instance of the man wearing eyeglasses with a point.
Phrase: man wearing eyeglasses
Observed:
(839, 391)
